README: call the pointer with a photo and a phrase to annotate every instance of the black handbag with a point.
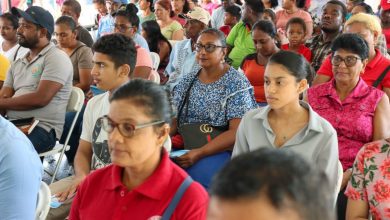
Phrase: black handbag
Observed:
(196, 135)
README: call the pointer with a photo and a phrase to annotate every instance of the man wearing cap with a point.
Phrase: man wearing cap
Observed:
(39, 84)
(219, 13)
(72, 8)
(239, 40)
(182, 59)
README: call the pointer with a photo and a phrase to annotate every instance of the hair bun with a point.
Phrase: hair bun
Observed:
(131, 8)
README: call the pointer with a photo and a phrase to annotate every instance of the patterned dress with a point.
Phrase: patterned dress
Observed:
(214, 103)
(370, 181)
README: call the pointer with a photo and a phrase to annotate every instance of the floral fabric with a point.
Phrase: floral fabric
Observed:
(370, 179)
(352, 118)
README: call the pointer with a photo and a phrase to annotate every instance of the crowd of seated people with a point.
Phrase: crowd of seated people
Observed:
(244, 92)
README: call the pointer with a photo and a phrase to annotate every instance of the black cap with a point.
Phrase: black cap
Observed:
(36, 15)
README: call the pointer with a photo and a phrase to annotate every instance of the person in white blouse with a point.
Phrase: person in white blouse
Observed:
(288, 123)
(9, 46)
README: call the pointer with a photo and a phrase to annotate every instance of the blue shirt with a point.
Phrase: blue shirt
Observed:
(215, 103)
(106, 26)
(181, 62)
(20, 174)
(138, 39)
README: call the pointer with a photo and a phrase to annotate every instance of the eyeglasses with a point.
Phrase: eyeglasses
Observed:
(125, 129)
(349, 61)
(122, 27)
(209, 48)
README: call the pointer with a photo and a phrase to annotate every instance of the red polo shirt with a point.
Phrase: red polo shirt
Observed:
(372, 72)
(102, 195)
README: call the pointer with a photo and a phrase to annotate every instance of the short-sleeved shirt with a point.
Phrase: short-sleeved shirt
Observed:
(282, 17)
(352, 118)
(102, 195)
(4, 64)
(93, 132)
(316, 142)
(84, 36)
(241, 40)
(303, 50)
(150, 17)
(24, 76)
(371, 73)
(81, 58)
(20, 173)
(215, 103)
(370, 180)
(106, 26)
(255, 74)
(139, 40)
(170, 29)
(320, 50)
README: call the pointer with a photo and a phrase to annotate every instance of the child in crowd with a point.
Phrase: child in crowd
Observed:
(269, 15)
(296, 31)
(231, 18)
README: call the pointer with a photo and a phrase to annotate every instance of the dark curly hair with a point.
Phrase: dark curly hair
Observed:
(119, 48)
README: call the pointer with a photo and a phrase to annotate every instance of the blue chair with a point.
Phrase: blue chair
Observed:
(204, 170)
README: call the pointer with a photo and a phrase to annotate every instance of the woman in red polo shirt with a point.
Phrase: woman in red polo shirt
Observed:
(142, 181)
(369, 28)
(253, 65)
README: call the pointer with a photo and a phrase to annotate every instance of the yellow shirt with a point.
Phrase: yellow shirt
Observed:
(4, 66)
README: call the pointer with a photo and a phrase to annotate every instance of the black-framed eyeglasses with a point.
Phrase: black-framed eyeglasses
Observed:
(349, 61)
(209, 48)
(126, 129)
(122, 27)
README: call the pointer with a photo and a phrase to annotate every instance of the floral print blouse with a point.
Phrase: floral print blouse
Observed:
(370, 179)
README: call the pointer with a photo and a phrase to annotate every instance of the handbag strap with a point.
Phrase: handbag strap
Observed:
(185, 101)
(16, 53)
(176, 198)
(381, 77)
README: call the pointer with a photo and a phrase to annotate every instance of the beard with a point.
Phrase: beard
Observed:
(28, 42)
(329, 30)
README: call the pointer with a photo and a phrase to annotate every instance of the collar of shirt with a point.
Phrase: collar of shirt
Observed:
(376, 61)
(360, 90)
(154, 186)
(314, 124)
(41, 53)
(187, 46)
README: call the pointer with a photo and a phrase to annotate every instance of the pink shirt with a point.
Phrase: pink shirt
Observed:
(352, 118)
(282, 18)
(370, 181)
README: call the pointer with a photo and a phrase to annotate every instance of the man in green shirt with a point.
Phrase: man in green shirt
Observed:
(239, 41)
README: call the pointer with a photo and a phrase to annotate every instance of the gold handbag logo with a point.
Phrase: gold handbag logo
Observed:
(206, 128)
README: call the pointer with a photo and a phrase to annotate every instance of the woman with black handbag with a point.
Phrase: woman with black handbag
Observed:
(210, 104)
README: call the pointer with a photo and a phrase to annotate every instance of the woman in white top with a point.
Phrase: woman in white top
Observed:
(288, 123)
(9, 46)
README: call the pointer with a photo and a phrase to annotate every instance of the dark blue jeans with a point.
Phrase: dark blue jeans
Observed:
(42, 140)
(75, 136)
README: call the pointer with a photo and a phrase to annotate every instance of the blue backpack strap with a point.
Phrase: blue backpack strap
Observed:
(176, 198)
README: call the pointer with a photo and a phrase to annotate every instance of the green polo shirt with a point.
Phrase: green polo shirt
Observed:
(241, 40)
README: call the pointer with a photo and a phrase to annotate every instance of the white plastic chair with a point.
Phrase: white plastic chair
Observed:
(155, 60)
(43, 202)
(75, 104)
